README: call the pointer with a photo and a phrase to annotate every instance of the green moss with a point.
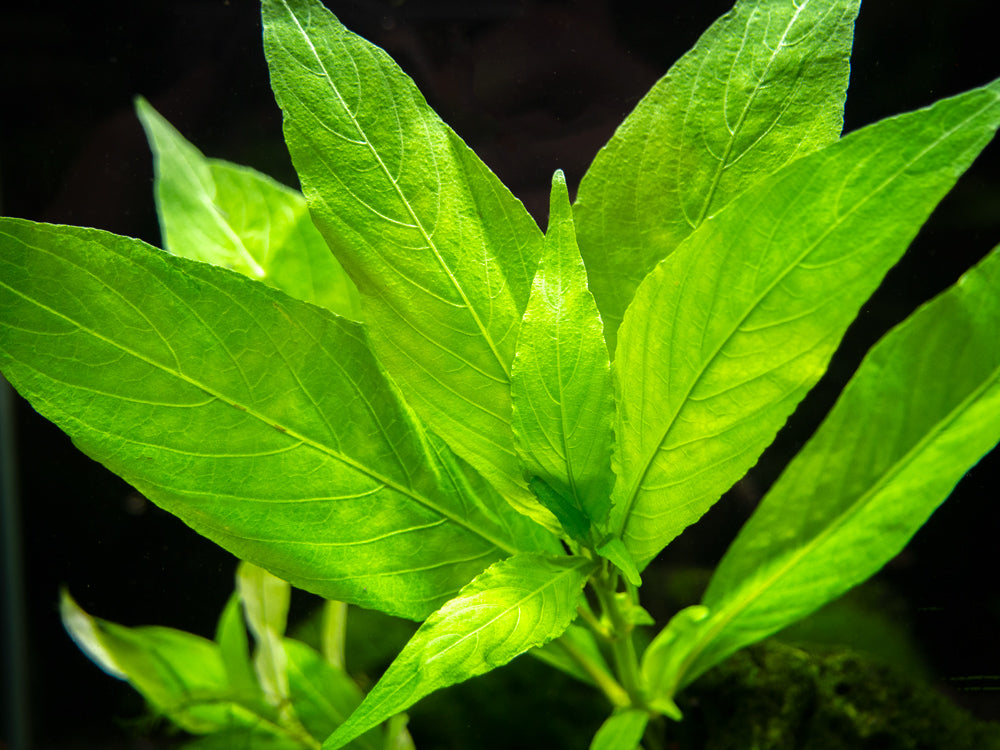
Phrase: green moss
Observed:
(777, 697)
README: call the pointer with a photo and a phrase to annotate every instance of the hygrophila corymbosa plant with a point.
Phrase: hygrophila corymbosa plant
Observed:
(399, 393)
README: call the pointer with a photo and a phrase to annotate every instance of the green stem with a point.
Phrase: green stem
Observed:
(587, 615)
(620, 637)
(614, 692)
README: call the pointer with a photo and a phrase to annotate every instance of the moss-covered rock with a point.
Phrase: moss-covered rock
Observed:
(773, 696)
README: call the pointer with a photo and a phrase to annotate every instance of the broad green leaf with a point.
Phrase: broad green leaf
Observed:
(180, 675)
(922, 409)
(730, 331)
(561, 377)
(231, 635)
(322, 695)
(441, 252)
(764, 85)
(621, 731)
(263, 422)
(515, 605)
(234, 216)
(265, 601)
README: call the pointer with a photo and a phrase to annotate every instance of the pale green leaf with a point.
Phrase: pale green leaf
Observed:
(441, 252)
(263, 422)
(234, 216)
(515, 605)
(397, 736)
(764, 85)
(333, 632)
(621, 731)
(322, 695)
(265, 601)
(231, 635)
(561, 377)
(731, 330)
(180, 675)
(922, 409)
(664, 656)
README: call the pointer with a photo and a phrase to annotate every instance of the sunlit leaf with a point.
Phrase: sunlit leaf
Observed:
(731, 330)
(441, 252)
(922, 409)
(263, 422)
(233, 216)
(763, 86)
(515, 605)
(561, 378)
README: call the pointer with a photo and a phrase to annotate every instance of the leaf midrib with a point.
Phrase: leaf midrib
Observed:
(290, 432)
(843, 519)
(633, 494)
(504, 365)
(722, 164)
(465, 636)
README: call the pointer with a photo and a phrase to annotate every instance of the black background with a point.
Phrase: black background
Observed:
(532, 86)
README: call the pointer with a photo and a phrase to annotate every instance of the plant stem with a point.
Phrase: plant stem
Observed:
(620, 637)
(614, 692)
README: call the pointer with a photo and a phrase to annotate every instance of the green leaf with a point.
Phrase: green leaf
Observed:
(322, 695)
(731, 330)
(234, 216)
(663, 657)
(614, 549)
(621, 731)
(574, 523)
(561, 377)
(922, 409)
(244, 739)
(515, 605)
(265, 601)
(441, 252)
(764, 85)
(263, 422)
(231, 635)
(180, 675)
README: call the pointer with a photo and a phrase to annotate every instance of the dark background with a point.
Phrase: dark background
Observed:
(532, 86)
